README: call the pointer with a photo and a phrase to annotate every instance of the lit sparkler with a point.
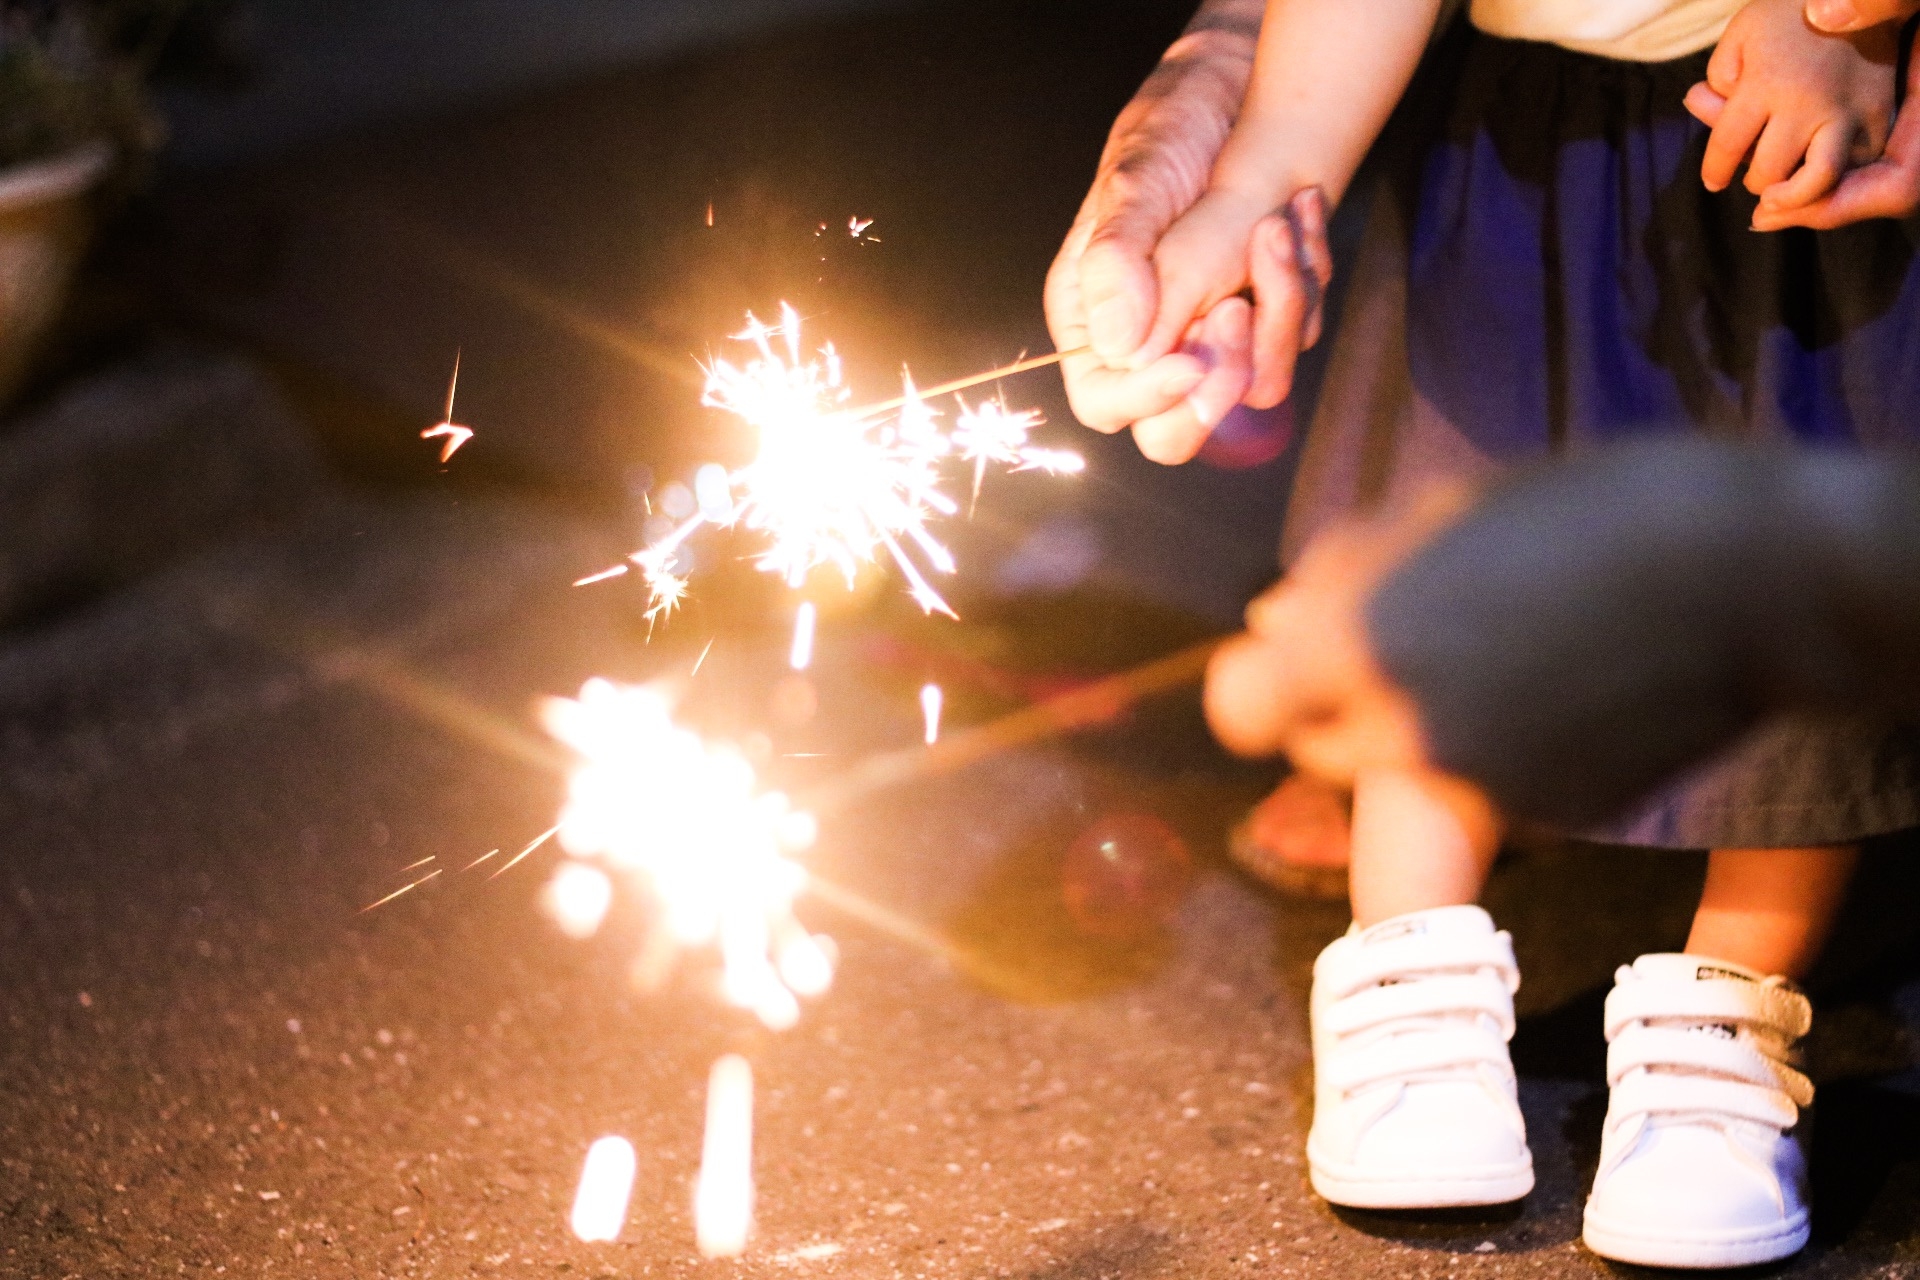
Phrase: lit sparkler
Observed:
(654, 800)
(831, 484)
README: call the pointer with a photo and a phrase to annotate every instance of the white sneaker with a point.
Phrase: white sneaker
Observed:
(1698, 1163)
(1413, 1093)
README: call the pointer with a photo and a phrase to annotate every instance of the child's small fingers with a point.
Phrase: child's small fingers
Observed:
(1782, 145)
(1310, 207)
(1826, 160)
(1172, 437)
(1731, 139)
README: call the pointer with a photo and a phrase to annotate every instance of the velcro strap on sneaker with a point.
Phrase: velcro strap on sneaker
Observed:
(1673, 1048)
(1656, 1094)
(1778, 1009)
(1414, 1054)
(1415, 955)
(1441, 995)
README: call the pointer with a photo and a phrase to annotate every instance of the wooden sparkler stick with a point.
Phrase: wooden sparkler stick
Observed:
(961, 384)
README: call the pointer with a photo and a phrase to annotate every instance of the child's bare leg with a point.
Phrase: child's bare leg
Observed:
(1770, 909)
(1419, 841)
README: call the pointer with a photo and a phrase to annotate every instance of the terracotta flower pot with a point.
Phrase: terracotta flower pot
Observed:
(44, 223)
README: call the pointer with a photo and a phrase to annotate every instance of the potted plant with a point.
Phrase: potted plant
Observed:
(74, 117)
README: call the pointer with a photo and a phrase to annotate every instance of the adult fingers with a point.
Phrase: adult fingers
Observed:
(1826, 160)
(1857, 15)
(1112, 399)
(1308, 216)
(1723, 67)
(1119, 291)
(1731, 139)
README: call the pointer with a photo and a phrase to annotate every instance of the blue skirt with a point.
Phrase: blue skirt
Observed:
(1542, 272)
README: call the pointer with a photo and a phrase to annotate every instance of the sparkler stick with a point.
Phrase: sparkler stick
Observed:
(961, 384)
(723, 1196)
(606, 1184)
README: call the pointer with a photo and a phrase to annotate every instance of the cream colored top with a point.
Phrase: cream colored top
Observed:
(1631, 30)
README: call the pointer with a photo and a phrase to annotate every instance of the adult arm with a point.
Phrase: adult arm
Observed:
(1101, 290)
(1586, 633)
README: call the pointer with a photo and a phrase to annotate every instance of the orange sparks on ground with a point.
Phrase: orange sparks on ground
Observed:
(606, 1184)
(723, 1195)
(456, 434)
(930, 699)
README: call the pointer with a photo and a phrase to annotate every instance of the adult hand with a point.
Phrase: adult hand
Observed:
(1888, 187)
(1102, 292)
(1303, 680)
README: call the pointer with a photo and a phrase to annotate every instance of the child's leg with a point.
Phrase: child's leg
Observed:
(1770, 909)
(1419, 841)
(1415, 1102)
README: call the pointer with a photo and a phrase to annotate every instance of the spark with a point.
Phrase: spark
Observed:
(701, 661)
(601, 576)
(421, 863)
(577, 898)
(709, 213)
(456, 434)
(930, 699)
(857, 224)
(723, 1195)
(402, 889)
(801, 655)
(514, 861)
(686, 819)
(482, 858)
(606, 1184)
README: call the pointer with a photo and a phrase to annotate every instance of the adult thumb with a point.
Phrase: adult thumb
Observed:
(1118, 287)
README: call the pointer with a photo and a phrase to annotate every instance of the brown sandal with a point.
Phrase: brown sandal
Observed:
(1296, 840)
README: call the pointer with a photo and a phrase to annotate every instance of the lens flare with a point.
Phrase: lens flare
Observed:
(577, 898)
(930, 700)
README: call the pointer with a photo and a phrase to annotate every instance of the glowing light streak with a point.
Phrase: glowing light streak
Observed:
(405, 888)
(606, 1184)
(601, 576)
(577, 898)
(421, 863)
(456, 435)
(701, 661)
(930, 699)
(800, 657)
(515, 860)
(723, 1194)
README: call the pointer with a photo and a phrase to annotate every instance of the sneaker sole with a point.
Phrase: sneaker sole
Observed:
(1699, 1250)
(1497, 1184)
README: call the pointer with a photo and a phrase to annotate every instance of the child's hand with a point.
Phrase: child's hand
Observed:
(1224, 245)
(1799, 106)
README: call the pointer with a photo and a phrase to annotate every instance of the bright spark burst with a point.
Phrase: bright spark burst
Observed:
(800, 657)
(830, 484)
(656, 801)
